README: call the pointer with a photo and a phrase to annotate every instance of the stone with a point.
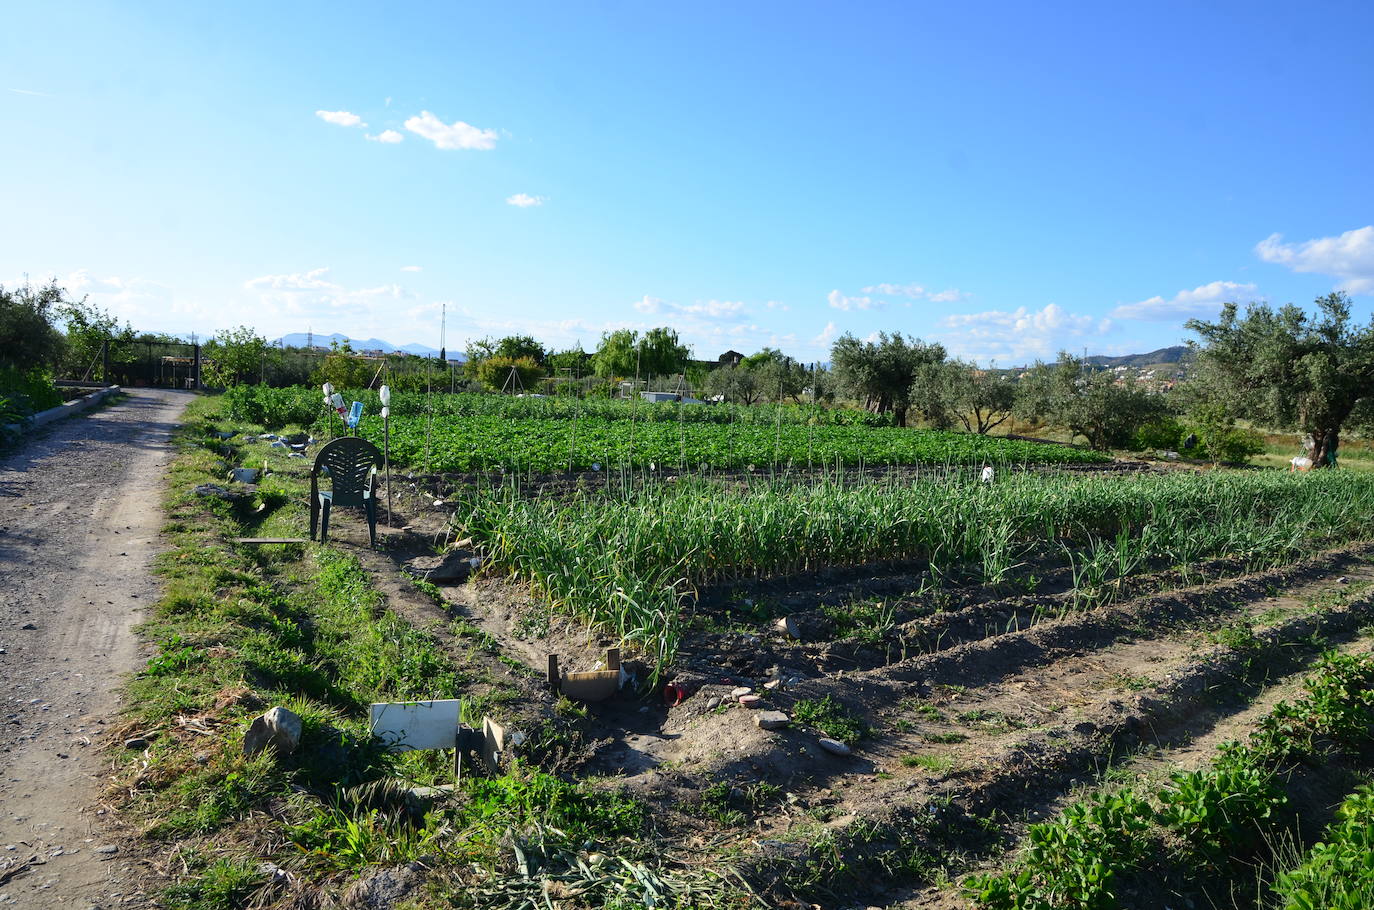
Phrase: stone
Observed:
(773, 684)
(136, 742)
(452, 568)
(750, 701)
(1343, 580)
(772, 720)
(834, 746)
(28, 627)
(788, 626)
(385, 889)
(244, 475)
(278, 728)
(107, 850)
(741, 691)
(712, 704)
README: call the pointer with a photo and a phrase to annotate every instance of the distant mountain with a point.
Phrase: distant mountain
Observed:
(1179, 353)
(301, 339)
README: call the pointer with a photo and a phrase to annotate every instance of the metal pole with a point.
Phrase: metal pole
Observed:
(386, 462)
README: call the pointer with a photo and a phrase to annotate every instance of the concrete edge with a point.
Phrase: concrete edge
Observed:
(66, 409)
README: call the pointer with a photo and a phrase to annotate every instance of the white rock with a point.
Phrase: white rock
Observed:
(741, 690)
(834, 746)
(788, 626)
(278, 728)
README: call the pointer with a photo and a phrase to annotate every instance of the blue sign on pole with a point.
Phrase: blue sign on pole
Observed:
(355, 414)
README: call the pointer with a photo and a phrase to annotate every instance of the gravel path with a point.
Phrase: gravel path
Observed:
(79, 521)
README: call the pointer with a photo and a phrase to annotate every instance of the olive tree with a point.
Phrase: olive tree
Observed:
(1093, 405)
(1289, 369)
(880, 373)
(954, 390)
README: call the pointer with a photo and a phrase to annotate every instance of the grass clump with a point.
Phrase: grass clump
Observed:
(831, 718)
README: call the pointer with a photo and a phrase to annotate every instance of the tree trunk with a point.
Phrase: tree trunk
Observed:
(1324, 447)
(899, 415)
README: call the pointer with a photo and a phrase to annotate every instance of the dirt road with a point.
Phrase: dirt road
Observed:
(79, 521)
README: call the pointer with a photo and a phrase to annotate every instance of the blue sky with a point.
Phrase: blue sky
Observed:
(1008, 179)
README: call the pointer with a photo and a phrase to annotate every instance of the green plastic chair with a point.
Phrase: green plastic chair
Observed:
(351, 465)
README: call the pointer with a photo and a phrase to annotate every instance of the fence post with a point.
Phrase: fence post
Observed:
(105, 361)
(196, 367)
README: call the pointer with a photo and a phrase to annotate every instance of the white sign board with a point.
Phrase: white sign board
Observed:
(416, 724)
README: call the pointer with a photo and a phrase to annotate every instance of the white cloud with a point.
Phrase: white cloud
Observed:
(449, 136)
(1349, 257)
(918, 292)
(340, 118)
(313, 280)
(388, 137)
(950, 295)
(841, 302)
(411, 268)
(524, 200)
(29, 91)
(777, 305)
(302, 297)
(827, 336)
(1020, 334)
(706, 309)
(1201, 302)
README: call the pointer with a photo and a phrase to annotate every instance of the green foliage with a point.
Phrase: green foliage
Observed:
(1221, 810)
(1221, 439)
(832, 718)
(624, 354)
(881, 373)
(29, 339)
(223, 884)
(1072, 862)
(956, 391)
(25, 393)
(496, 373)
(1289, 369)
(345, 371)
(1089, 404)
(544, 445)
(1162, 433)
(89, 329)
(235, 357)
(278, 407)
(627, 560)
(1337, 873)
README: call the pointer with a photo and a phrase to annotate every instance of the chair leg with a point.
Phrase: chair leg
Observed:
(324, 522)
(314, 516)
(372, 523)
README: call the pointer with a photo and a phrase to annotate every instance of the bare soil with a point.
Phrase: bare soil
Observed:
(81, 518)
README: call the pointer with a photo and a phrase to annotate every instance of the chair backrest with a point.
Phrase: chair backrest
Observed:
(350, 461)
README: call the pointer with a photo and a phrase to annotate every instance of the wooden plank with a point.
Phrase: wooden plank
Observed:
(262, 540)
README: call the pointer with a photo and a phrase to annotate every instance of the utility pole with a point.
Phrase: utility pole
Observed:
(443, 324)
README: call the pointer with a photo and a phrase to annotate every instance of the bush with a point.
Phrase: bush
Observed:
(1164, 433)
(26, 392)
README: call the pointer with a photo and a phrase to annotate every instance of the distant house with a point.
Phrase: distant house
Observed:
(730, 358)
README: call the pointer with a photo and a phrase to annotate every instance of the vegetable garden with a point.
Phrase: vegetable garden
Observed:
(1043, 689)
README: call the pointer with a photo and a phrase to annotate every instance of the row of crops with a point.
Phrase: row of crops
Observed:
(1221, 818)
(484, 433)
(630, 560)
(301, 406)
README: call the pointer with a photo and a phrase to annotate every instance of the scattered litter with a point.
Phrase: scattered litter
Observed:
(987, 474)
(279, 445)
(788, 626)
(244, 475)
